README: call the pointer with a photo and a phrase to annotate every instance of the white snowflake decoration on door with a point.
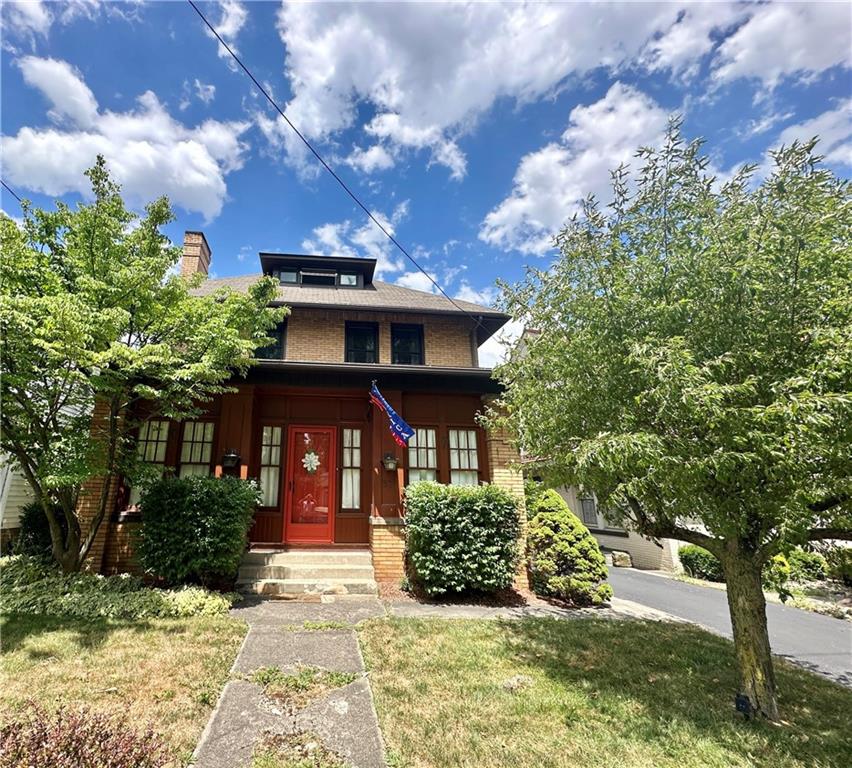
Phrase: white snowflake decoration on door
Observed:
(311, 462)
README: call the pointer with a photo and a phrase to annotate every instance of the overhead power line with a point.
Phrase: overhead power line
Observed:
(11, 191)
(325, 165)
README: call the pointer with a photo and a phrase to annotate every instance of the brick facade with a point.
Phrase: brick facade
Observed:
(387, 542)
(318, 335)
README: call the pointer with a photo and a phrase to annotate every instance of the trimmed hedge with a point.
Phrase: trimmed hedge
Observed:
(195, 529)
(564, 558)
(461, 539)
(700, 564)
(29, 585)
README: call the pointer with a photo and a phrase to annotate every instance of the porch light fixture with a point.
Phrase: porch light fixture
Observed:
(390, 462)
(230, 458)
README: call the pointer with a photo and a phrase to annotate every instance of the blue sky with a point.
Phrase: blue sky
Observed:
(472, 130)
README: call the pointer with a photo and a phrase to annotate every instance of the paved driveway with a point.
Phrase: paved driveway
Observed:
(820, 643)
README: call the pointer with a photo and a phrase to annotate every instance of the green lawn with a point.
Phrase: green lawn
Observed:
(166, 673)
(603, 693)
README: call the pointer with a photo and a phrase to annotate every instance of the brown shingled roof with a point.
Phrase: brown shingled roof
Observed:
(379, 296)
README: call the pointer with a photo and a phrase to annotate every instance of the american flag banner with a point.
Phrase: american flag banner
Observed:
(400, 431)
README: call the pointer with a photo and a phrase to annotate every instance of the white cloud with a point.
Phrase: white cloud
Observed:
(149, 152)
(376, 158)
(429, 70)
(345, 239)
(206, 92)
(785, 39)
(232, 20)
(834, 128)
(63, 86)
(494, 350)
(550, 182)
(26, 19)
(418, 281)
(485, 296)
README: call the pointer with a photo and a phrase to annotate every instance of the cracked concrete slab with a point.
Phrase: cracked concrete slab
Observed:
(345, 721)
(335, 650)
(259, 612)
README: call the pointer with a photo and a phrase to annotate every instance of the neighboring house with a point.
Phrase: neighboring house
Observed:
(301, 422)
(15, 493)
(644, 553)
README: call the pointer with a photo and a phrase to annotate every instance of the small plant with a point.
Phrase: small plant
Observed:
(461, 538)
(700, 564)
(78, 738)
(195, 529)
(775, 575)
(806, 565)
(564, 558)
(298, 689)
(325, 626)
(299, 750)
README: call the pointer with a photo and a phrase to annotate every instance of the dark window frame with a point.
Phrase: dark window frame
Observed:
(267, 352)
(407, 327)
(182, 437)
(351, 326)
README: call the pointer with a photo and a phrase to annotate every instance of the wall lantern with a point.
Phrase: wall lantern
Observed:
(230, 459)
(390, 462)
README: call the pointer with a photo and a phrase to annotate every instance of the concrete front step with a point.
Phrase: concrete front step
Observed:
(305, 572)
(313, 557)
(299, 587)
(310, 571)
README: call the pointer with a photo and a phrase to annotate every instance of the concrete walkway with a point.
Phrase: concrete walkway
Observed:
(344, 720)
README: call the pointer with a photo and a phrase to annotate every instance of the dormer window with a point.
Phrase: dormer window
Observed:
(348, 281)
(318, 277)
(288, 277)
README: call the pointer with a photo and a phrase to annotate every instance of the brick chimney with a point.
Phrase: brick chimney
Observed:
(196, 254)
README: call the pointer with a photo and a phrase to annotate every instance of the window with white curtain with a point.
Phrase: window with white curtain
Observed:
(423, 455)
(464, 458)
(350, 497)
(270, 466)
(196, 449)
(151, 447)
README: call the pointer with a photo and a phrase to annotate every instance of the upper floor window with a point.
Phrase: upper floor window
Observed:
(464, 457)
(318, 277)
(288, 277)
(151, 448)
(588, 511)
(423, 456)
(196, 449)
(362, 343)
(407, 344)
(348, 280)
(275, 350)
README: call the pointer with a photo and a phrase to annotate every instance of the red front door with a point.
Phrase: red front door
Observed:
(310, 491)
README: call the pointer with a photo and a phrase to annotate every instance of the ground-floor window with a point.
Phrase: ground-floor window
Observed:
(270, 466)
(350, 495)
(464, 457)
(423, 455)
(196, 450)
(588, 511)
(151, 446)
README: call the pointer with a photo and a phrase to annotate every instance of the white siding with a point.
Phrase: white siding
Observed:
(16, 493)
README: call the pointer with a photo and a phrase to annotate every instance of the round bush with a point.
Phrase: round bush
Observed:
(33, 539)
(700, 564)
(195, 529)
(564, 558)
(461, 539)
(807, 566)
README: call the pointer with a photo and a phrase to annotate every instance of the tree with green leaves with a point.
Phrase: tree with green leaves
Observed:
(692, 364)
(92, 312)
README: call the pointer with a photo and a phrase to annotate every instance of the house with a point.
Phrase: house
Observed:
(301, 421)
(15, 494)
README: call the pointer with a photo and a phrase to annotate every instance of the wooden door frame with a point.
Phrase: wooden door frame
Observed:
(292, 429)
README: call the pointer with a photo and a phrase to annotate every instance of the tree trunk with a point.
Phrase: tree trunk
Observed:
(751, 638)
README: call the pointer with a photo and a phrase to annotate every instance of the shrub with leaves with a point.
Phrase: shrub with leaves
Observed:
(839, 561)
(700, 564)
(461, 538)
(195, 529)
(806, 565)
(78, 738)
(31, 586)
(34, 537)
(564, 558)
